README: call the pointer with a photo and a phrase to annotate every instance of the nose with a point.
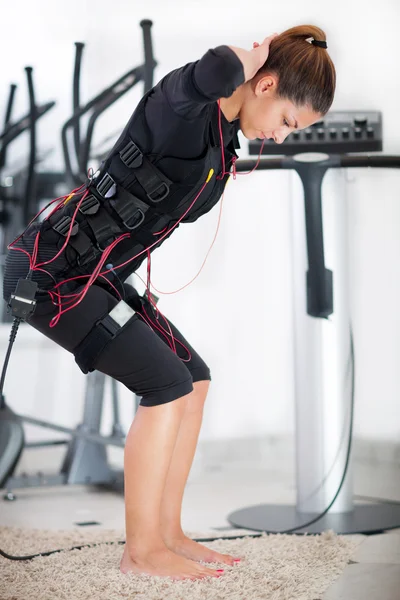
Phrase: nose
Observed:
(271, 136)
(280, 137)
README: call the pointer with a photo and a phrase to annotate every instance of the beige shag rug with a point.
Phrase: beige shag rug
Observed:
(276, 567)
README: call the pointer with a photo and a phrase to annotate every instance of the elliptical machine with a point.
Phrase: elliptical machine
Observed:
(86, 459)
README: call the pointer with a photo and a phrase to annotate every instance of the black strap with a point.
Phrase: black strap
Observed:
(88, 351)
(104, 228)
(155, 184)
(84, 248)
(129, 208)
(78, 240)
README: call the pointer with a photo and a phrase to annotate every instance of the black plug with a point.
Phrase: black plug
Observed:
(22, 302)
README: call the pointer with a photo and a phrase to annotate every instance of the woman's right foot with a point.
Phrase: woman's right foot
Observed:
(165, 563)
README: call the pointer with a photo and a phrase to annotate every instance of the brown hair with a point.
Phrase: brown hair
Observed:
(306, 73)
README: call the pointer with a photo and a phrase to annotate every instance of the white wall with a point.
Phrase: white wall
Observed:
(238, 312)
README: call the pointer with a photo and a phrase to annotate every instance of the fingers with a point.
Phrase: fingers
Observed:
(267, 40)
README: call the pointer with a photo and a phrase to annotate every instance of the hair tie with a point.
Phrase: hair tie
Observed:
(318, 43)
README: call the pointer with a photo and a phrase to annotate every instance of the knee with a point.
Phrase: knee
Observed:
(195, 401)
(200, 388)
(174, 384)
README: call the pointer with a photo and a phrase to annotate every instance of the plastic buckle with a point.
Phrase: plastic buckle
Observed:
(163, 185)
(111, 326)
(90, 205)
(105, 184)
(63, 225)
(131, 156)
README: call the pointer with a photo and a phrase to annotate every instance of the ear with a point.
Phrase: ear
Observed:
(266, 84)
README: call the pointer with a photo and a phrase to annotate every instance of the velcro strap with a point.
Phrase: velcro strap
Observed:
(94, 343)
(90, 348)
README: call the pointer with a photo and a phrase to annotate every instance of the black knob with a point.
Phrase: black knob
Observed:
(357, 132)
(345, 132)
(370, 132)
(360, 120)
(333, 133)
(296, 135)
(308, 134)
(321, 133)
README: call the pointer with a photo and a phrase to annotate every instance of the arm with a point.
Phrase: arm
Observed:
(216, 75)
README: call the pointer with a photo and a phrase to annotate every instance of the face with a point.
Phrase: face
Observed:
(263, 114)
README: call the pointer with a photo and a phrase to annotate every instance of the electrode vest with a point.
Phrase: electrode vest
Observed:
(139, 193)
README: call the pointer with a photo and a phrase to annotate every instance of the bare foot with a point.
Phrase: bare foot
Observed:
(165, 563)
(188, 548)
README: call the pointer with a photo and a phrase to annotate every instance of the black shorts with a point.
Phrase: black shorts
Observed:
(139, 356)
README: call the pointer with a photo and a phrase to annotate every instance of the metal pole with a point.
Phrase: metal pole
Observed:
(322, 361)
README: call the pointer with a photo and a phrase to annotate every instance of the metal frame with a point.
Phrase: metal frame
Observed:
(85, 461)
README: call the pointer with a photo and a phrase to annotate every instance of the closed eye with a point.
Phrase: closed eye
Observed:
(285, 123)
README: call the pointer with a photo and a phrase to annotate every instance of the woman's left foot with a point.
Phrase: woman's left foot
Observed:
(188, 548)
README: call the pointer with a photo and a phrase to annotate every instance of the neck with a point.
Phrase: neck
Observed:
(231, 106)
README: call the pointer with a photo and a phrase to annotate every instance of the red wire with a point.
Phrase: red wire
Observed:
(165, 333)
(61, 198)
(159, 239)
(158, 232)
(149, 283)
(67, 237)
(222, 142)
(204, 261)
(91, 279)
(97, 271)
(113, 286)
(105, 255)
(11, 245)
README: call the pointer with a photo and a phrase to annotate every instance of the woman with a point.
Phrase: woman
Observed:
(170, 165)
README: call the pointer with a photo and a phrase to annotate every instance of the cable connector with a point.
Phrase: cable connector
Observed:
(22, 302)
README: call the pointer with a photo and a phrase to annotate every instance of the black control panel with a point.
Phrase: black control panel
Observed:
(338, 133)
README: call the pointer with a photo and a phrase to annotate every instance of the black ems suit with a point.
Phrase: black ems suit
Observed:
(148, 181)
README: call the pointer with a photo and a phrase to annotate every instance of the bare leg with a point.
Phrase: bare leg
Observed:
(179, 469)
(148, 451)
